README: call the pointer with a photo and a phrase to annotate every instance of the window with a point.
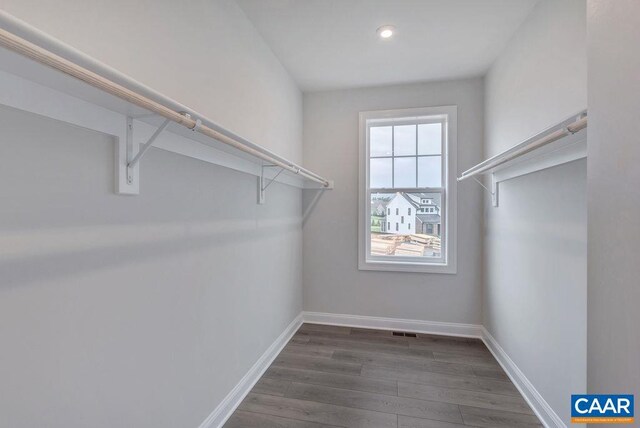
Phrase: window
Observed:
(407, 161)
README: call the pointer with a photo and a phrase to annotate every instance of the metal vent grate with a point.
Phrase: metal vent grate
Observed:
(401, 333)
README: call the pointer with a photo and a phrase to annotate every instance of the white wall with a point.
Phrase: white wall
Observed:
(535, 242)
(614, 200)
(332, 281)
(140, 311)
(203, 53)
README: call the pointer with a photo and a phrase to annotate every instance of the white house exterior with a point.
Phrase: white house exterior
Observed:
(400, 215)
(413, 213)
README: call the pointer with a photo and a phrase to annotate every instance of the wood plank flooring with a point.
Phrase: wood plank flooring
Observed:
(329, 376)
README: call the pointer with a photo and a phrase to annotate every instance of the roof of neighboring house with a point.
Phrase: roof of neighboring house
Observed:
(380, 202)
(411, 200)
(429, 218)
(416, 197)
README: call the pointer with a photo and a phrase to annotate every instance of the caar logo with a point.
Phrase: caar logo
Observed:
(602, 409)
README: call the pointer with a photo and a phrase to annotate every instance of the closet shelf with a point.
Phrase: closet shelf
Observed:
(559, 144)
(42, 75)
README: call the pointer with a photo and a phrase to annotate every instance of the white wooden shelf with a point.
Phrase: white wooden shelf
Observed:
(29, 85)
(560, 144)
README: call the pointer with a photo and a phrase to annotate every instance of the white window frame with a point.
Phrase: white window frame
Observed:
(447, 264)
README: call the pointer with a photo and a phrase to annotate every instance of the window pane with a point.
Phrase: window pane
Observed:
(404, 140)
(404, 172)
(380, 141)
(430, 139)
(380, 173)
(430, 171)
(418, 235)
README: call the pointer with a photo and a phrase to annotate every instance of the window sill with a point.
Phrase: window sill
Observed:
(407, 267)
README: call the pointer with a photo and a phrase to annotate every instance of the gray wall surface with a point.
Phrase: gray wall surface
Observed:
(133, 311)
(145, 311)
(332, 281)
(614, 199)
(536, 241)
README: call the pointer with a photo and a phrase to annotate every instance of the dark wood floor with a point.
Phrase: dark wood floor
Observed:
(331, 376)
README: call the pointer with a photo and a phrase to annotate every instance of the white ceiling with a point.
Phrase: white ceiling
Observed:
(330, 44)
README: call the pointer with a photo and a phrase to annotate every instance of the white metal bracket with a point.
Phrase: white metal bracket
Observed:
(263, 184)
(309, 205)
(493, 191)
(130, 151)
(127, 182)
(132, 161)
(129, 154)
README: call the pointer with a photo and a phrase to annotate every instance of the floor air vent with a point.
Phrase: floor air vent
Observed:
(400, 333)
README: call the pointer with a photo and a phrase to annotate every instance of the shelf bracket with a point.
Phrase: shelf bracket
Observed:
(493, 191)
(132, 161)
(263, 183)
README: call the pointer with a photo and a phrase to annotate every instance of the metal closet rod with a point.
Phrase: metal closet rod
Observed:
(510, 154)
(183, 116)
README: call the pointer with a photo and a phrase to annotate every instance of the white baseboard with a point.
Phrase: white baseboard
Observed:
(412, 326)
(540, 407)
(226, 408)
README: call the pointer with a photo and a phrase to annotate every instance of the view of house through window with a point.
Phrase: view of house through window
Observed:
(406, 176)
(418, 236)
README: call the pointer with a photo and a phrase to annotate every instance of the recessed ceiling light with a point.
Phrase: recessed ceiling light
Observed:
(385, 31)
